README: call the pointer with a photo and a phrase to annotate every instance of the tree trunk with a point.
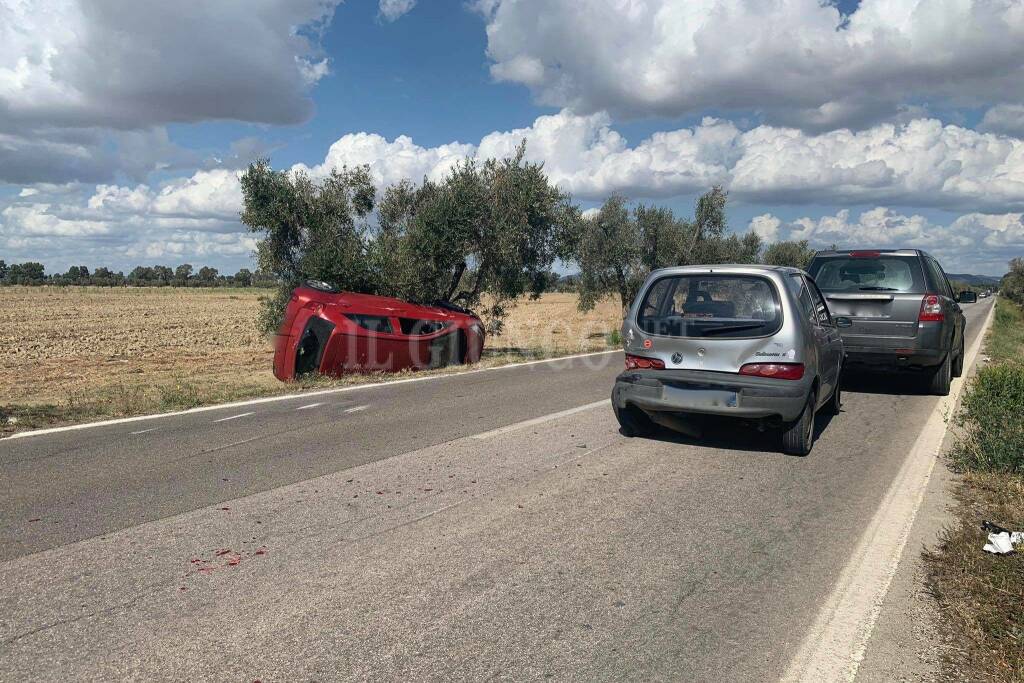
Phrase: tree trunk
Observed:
(456, 279)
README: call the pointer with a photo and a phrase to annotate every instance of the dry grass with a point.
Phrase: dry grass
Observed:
(981, 596)
(77, 353)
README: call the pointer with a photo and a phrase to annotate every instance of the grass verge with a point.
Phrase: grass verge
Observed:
(981, 596)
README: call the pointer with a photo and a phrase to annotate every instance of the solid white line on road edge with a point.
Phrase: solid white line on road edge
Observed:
(834, 647)
(235, 417)
(356, 409)
(540, 420)
(143, 431)
(307, 407)
(289, 397)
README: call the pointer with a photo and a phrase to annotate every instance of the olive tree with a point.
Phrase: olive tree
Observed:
(795, 254)
(486, 233)
(616, 249)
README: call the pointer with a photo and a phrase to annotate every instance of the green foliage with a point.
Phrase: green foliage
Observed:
(489, 228)
(610, 254)
(29, 273)
(243, 278)
(994, 402)
(1012, 284)
(793, 254)
(991, 417)
(617, 249)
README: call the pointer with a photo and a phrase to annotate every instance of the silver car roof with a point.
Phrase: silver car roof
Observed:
(736, 268)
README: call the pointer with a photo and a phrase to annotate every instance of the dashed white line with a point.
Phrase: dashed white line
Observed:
(235, 417)
(540, 420)
(307, 407)
(356, 409)
(305, 395)
(143, 431)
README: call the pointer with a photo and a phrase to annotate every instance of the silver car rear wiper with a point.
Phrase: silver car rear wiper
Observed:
(732, 328)
(878, 289)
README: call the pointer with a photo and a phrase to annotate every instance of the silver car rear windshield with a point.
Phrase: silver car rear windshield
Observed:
(710, 306)
(868, 274)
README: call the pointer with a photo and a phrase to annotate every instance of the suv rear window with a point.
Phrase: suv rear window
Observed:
(710, 306)
(868, 274)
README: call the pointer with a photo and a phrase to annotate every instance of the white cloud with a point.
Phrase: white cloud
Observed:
(390, 162)
(974, 242)
(81, 81)
(922, 162)
(390, 10)
(799, 62)
(193, 218)
(1004, 118)
(766, 226)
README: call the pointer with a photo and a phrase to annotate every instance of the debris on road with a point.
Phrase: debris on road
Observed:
(1001, 541)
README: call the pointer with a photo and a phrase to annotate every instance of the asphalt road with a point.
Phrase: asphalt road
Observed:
(401, 533)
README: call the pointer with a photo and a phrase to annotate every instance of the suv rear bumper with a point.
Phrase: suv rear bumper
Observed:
(926, 349)
(894, 358)
(694, 391)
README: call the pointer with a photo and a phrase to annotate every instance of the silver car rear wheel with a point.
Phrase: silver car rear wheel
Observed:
(798, 436)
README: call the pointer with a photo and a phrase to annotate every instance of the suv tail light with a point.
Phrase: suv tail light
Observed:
(931, 309)
(642, 363)
(776, 370)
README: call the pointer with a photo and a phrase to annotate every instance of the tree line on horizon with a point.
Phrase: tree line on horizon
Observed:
(32, 273)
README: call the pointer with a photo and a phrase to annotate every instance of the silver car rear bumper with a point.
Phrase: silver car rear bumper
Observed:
(711, 393)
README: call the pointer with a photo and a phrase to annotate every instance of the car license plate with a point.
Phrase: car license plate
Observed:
(701, 398)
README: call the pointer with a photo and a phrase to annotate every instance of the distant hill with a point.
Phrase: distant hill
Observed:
(974, 279)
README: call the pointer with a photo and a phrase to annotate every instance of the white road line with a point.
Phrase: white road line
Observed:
(834, 647)
(307, 407)
(290, 397)
(235, 417)
(540, 420)
(143, 431)
(356, 409)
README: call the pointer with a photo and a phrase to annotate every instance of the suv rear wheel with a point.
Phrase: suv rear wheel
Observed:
(958, 364)
(942, 376)
(798, 437)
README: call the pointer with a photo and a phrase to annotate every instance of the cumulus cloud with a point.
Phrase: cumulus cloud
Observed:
(185, 218)
(974, 242)
(922, 162)
(799, 62)
(1004, 118)
(390, 162)
(765, 226)
(80, 81)
(390, 10)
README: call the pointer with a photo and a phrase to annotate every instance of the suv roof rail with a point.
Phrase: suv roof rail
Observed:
(847, 252)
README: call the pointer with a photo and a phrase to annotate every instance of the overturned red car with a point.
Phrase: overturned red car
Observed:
(331, 332)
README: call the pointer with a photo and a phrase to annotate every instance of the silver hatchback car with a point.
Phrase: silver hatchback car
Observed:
(746, 341)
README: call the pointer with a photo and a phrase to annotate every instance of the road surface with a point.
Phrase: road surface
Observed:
(489, 525)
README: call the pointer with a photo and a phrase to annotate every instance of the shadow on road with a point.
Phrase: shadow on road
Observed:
(894, 383)
(729, 434)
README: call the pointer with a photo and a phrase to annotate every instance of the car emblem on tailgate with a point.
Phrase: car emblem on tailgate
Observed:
(677, 358)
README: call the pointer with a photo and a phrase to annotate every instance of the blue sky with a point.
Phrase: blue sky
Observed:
(900, 124)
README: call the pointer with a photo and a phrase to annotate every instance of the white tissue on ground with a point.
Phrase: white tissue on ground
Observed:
(1001, 544)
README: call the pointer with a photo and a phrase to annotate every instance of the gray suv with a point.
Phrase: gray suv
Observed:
(896, 310)
(746, 341)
